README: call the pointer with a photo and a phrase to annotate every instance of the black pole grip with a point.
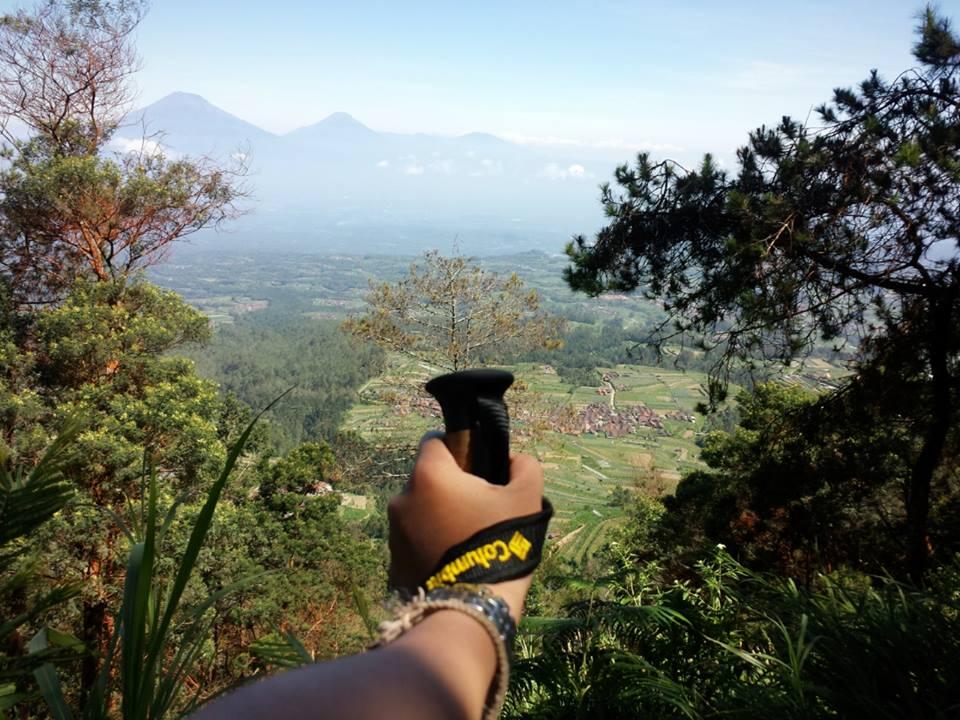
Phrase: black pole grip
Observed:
(476, 420)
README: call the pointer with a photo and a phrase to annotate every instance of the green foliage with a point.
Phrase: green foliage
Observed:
(104, 353)
(113, 332)
(819, 235)
(846, 229)
(324, 559)
(100, 355)
(189, 580)
(725, 642)
(302, 471)
(804, 483)
(155, 563)
(265, 354)
(146, 658)
(28, 499)
(451, 312)
(281, 651)
(67, 209)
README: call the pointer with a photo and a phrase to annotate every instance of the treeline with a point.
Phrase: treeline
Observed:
(590, 344)
(268, 353)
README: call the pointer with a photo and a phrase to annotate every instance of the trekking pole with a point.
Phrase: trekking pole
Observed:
(476, 420)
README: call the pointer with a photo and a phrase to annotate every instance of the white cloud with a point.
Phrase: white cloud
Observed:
(488, 167)
(145, 145)
(444, 166)
(608, 144)
(521, 139)
(411, 166)
(383, 163)
(553, 171)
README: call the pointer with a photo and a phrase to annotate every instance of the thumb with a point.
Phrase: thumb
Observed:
(434, 460)
(526, 480)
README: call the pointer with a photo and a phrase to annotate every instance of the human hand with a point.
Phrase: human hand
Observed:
(443, 505)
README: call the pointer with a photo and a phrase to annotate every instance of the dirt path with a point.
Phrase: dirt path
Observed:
(613, 394)
(595, 472)
(568, 537)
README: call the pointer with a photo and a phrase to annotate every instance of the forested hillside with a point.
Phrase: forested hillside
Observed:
(265, 354)
(743, 392)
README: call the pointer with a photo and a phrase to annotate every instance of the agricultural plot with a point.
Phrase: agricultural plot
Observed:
(584, 465)
(582, 469)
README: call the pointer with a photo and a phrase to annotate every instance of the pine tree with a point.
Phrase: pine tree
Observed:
(846, 229)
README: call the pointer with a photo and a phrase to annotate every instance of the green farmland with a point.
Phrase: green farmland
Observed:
(582, 469)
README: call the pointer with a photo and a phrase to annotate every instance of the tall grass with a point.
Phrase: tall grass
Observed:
(734, 644)
(157, 639)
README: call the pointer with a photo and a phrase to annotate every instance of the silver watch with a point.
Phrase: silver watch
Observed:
(482, 599)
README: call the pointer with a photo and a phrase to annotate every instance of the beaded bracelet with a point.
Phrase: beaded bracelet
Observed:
(478, 602)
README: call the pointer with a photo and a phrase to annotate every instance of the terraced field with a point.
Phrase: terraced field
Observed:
(582, 470)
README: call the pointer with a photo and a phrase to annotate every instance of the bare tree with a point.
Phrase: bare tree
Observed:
(65, 69)
(451, 312)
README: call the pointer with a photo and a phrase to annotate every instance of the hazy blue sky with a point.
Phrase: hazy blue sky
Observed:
(694, 74)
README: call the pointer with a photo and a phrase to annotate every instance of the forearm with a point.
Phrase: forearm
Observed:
(442, 669)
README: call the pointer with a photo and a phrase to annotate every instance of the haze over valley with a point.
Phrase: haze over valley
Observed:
(338, 185)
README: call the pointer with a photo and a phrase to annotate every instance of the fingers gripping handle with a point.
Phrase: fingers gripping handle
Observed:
(478, 435)
(476, 420)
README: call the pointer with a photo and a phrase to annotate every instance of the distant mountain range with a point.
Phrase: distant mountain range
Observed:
(339, 185)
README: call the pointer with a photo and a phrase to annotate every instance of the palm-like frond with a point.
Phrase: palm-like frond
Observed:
(283, 651)
(31, 496)
(735, 644)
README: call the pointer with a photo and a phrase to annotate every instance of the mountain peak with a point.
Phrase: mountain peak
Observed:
(181, 95)
(482, 137)
(192, 123)
(341, 117)
(338, 124)
(184, 101)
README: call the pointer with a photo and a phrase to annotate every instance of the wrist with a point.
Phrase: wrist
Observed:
(462, 617)
(514, 593)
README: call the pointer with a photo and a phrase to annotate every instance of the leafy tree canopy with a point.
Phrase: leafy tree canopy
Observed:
(67, 207)
(847, 228)
(805, 484)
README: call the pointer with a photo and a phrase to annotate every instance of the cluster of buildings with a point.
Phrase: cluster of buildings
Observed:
(595, 418)
(600, 418)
